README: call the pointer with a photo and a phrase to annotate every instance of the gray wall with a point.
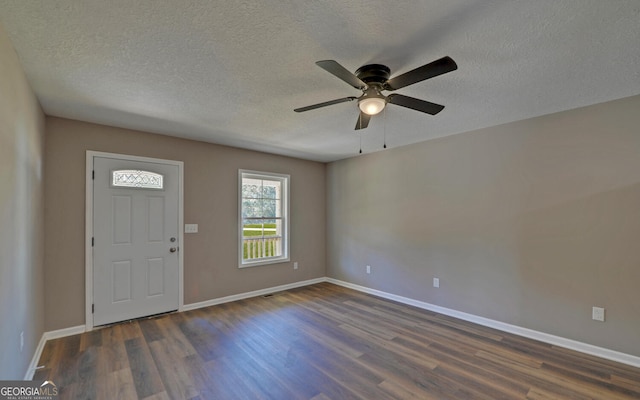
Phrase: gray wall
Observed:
(211, 193)
(530, 223)
(21, 216)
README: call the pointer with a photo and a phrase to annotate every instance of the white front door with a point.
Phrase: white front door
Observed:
(135, 233)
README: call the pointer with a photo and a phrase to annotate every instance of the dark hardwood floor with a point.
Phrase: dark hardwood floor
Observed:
(322, 342)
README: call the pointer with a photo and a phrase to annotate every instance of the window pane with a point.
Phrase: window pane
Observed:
(278, 227)
(278, 207)
(252, 228)
(271, 228)
(251, 188)
(262, 248)
(269, 208)
(271, 189)
(251, 208)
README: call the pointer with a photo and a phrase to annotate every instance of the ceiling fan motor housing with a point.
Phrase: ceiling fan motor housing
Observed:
(373, 73)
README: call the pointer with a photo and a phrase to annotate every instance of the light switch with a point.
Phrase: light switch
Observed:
(190, 228)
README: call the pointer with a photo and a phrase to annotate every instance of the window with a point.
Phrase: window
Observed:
(264, 218)
(136, 179)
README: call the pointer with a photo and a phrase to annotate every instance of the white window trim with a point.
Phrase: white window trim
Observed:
(286, 179)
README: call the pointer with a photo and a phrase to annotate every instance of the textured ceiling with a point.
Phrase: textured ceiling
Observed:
(231, 72)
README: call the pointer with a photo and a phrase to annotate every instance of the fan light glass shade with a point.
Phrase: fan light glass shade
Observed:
(372, 105)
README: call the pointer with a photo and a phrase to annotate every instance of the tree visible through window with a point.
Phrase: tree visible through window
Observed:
(263, 218)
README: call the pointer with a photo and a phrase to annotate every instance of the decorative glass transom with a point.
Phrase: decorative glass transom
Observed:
(137, 179)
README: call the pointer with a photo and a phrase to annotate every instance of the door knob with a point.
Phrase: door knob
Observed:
(173, 249)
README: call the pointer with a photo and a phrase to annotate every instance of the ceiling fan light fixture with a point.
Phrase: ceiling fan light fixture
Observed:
(372, 105)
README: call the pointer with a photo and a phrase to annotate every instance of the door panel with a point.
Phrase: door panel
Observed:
(121, 281)
(121, 219)
(135, 273)
(156, 219)
(155, 277)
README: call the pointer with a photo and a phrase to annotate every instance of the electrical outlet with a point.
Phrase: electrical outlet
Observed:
(597, 314)
(295, 265)
(21, 341)
(436, 282)
(368, 269)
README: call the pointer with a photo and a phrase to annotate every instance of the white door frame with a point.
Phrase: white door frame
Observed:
(89, 226)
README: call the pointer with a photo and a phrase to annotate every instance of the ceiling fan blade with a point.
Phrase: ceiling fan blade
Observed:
(363, 121)
(415, 104)
(435, 68)
(341, 72)
(326, 103)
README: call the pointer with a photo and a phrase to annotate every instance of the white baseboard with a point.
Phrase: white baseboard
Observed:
(255, 293)
(516, 330)
(31, 370)
(74, 330)
(33, 365)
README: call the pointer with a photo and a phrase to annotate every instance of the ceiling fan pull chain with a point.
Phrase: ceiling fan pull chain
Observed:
(360, 133)
(384, 128)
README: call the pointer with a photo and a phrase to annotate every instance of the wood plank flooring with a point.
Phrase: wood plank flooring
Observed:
(322, 342)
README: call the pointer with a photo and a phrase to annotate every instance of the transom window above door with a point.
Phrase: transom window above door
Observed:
(136, 179)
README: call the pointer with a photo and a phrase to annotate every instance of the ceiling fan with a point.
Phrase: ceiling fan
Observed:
(373, 79)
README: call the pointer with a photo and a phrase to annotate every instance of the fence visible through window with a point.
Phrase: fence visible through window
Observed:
(260, 248)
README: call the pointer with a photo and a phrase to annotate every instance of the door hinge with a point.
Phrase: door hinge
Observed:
(93, 308)
(93, 174)
(93, 241)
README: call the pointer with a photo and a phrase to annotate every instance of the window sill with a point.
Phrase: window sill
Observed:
(259, 263)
